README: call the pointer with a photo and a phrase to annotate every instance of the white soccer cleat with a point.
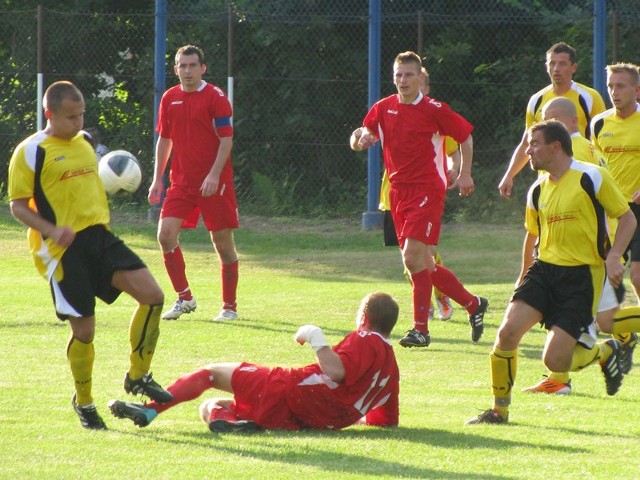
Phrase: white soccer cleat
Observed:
(226, 314)
(178, 308)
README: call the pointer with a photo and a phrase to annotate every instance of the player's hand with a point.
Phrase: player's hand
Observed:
(63, 236)
(505, 186)
(615, 270)
(366, 139)
(155, 192)
(209, 185)
(635, 198)
(465, 184)
(312, 335)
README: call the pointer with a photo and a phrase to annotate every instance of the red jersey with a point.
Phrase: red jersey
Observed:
(370, 387)
(412, 138)
(195, 122)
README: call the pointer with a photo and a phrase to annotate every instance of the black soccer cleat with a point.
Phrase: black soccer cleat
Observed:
(476, 320)
(490, 417)
(147, 386)
(89, 416)
(136, 412)
(241, 426)
(611, 368)
(415, 338)
(626, 353)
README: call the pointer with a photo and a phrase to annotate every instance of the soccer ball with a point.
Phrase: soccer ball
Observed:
(120, 170)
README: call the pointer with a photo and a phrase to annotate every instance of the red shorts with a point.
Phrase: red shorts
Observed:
(259, 395)
(219, 211)
(417, 213)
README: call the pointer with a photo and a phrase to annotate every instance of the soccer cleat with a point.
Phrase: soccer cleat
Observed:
(549, 385)
(490, 416)
(415, 338)
(136, 412)
(226, 314)
(221, 426)
(626, 353)
(611, 368)
(147, 386)
(476, 320)
(445, 310)
(89, 416)
(178, 308)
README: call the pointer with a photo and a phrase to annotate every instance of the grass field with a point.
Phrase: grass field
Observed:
(293, 273)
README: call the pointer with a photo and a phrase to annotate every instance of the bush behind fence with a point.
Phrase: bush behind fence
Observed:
(300, 73)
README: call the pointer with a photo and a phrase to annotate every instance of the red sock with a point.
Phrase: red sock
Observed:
(174, 263)
(422, 287)
(229, 284)
(185, 388)
(445, 281)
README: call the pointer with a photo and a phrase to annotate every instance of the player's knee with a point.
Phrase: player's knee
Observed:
(557, 361)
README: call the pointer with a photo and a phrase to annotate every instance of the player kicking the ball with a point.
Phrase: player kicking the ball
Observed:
(356, 381)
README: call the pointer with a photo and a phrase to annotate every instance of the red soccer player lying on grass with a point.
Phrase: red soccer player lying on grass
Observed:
(356, 381)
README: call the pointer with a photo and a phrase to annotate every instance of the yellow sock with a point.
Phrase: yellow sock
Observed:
(503, 375)
(81, 356)
(143, 336)
(626, 321)
(583, 357)
(562, 377)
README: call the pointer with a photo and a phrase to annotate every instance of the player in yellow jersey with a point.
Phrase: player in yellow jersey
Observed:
(560, 287)
(55, 190)
(561, 66)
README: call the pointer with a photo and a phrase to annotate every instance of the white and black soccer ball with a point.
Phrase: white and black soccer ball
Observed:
(120, 170)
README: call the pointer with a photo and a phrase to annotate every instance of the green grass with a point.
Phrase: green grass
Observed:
(293, 273)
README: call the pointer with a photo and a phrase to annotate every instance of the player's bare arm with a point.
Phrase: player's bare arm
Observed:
(626, 227)
(63, 236)
(464, 182)
(518, 160)
(329, 361)
(212, 180)
(163, 150)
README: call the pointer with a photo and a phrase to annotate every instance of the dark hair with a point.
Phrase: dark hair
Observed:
(57, 92)
(381, 311)
(190, 50)
(562, 47)
(554, 131)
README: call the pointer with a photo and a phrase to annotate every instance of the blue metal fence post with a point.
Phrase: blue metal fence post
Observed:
(599, 46)
(372, 218)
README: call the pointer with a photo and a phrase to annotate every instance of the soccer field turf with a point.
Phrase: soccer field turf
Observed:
(294, 273)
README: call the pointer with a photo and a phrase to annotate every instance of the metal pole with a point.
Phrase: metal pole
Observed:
(599, 46)
(230, 56)
(40, 74)
(373, 217)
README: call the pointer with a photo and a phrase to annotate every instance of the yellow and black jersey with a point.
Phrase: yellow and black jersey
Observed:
(569, 216)
(584, 150)
(60, 180)
(588, 104)
(618, 140)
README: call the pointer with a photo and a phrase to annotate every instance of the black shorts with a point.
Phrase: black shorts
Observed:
(633, 250)
(86, 269)
(565, 297)
(389, 230)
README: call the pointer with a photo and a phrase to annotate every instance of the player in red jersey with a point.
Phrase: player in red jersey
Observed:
(194, 124)
(411, 129)
(356, 381)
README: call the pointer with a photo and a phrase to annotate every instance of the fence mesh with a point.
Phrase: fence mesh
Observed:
(300, 74)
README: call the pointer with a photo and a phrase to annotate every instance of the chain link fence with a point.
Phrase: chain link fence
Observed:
(300, 72)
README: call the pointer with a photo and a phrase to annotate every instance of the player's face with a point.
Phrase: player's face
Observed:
(189, 70)
(623, 92)
(66, 121)
(539, 152)
(406, 77)
(560, 68)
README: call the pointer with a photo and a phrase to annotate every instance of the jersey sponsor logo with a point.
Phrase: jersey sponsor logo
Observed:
(435, 102)
(176, 102)
(622, 149)
(563, 217)
(607, 134)
(61, 157)
(76, 173)
(248, 369)
(392, 112)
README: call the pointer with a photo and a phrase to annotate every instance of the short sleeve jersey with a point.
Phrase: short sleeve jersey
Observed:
(588, 102)
(618, 140)
(60, 179)
(195, 122)
(584, 150)
(412, 138)
(569, 216)
(370, 387)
